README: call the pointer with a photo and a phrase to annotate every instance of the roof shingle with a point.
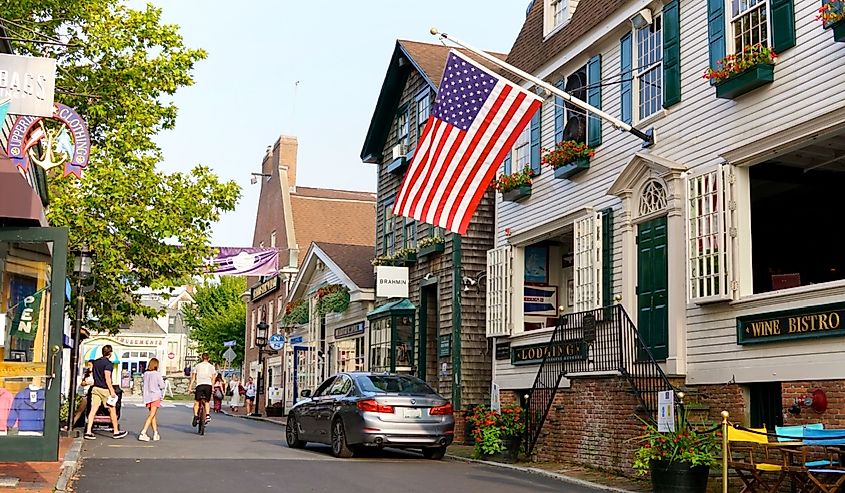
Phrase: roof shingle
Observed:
(354, 260)
(333, 216)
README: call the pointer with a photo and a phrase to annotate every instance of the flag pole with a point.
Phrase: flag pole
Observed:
(617, 123)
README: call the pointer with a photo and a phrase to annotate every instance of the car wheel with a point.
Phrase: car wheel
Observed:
(292, 434)
(434, 453)
(340, 448)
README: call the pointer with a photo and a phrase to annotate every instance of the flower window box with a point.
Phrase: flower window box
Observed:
(516, 194)
(838, 31)
(568, 158)
(516, 186)
(746, 81)
(431, 246)
(740, 74)
(832, 15)
(573, 168)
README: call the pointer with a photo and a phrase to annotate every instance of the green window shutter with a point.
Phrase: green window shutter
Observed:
(783, 25)
(507, 168)
(594, 98)
(716, 30)
(535, 142)
(627, 85)
(559, 112)
(671, 54)
(607, 257)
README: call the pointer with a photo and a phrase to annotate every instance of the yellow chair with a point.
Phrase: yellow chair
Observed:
(741, 448)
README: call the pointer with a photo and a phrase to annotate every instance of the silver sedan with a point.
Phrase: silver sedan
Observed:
(353, 410)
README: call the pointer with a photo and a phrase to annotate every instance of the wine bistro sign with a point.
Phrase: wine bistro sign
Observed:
(802, 323)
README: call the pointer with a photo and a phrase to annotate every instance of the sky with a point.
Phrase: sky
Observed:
(246, 93)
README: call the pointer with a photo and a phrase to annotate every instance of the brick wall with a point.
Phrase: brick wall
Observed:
(460, 426)
(834, 417)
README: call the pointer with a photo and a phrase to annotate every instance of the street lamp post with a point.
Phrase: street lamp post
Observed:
(82, 264)
(260, 343)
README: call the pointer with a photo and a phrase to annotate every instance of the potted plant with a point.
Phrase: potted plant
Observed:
(738, 74)
(431, 245)
(407, 255)
(678, 461)
(385, 259)
(568, 158)
(832, 15)
(296, 313)
(515, 186)
(332, 298)
(275, 410)
(497, 435)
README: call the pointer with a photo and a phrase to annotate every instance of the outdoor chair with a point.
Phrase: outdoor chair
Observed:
(827, 478)
(796, 432)
(755, 475)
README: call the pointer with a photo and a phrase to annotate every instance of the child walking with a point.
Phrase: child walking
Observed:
(153, 387)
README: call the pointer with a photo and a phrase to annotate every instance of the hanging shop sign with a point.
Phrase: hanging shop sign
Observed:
(802, 323)
(25, 321)
(391, 282)
(561, 351)
(264, 288)
(30, 82)
(349, 331)
(68, 145)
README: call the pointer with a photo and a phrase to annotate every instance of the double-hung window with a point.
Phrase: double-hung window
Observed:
(423, 111)
(403, 127)
(749, 23)
(389, 235)
(522, 150)
(410, 238)
(649, 72)
(555, 15)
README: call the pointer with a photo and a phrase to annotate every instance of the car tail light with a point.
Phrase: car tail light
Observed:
(373, 406)
(445, 409)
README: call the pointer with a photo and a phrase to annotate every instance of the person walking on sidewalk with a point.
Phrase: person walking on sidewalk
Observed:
(236, 390)
(153, 394)
(218, 392)
(103, 394)
(250, 395)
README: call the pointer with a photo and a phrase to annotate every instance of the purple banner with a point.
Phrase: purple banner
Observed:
(232, 261)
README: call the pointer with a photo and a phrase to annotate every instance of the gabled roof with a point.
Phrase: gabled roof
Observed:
(144, 325)
(333, 216)
(530, 52)
(429, 60)
(350, 263)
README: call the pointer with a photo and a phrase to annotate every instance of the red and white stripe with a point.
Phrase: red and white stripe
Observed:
(452, 168)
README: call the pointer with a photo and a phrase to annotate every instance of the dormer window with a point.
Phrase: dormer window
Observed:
(556, 13)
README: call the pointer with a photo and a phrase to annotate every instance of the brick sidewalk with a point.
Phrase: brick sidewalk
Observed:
(40, 477)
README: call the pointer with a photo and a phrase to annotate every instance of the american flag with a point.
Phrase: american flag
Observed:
(474, 122)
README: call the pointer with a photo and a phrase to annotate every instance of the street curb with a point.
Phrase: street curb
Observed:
(542, 472)
(255, 418)
(72, 461)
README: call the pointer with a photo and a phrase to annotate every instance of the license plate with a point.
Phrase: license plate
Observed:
(413, 413)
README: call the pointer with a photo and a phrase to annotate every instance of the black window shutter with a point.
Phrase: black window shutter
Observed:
(671, 54)
(607, 257)
(716, 30)
(535, 142)
(783, 25)
(594, 99)
(627, 86)
(559, 112)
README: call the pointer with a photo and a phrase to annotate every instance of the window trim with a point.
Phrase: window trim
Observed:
(550, 27)
(424, 95)
(730, 41)
(515, 164)
(403, 111)
(637, 72)
(386, 205)
(405, 236)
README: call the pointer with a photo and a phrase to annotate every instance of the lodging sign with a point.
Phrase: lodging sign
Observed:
(30, 82)
(802, 323)
(563, 351)
(264, 288)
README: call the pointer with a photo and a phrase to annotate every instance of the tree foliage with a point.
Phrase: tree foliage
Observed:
(119, 68)
(218, 315)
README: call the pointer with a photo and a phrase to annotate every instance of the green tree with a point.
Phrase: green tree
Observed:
(217, 315)
(119, 68)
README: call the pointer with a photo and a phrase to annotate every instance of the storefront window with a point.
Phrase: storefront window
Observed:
(392, 337)
(25, 297)
(380, 345)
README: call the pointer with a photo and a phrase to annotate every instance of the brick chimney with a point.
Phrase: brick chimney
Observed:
(288, 146)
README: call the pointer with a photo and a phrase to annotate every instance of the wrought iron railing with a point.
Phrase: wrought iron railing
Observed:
(603, 340)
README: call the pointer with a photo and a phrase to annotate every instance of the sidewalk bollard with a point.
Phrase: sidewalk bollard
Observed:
(725, 416)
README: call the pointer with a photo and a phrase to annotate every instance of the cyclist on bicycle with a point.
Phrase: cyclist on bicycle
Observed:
(203, 375)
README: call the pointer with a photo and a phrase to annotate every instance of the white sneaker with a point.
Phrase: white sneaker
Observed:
(156, 437)
(143, 437)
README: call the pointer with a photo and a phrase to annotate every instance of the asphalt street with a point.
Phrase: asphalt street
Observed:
(243, 456)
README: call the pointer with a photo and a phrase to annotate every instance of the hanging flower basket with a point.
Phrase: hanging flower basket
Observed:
(739, 74)
(333, 298)
(832, 15)
(296, 313)
(568, 158)
(515, 186)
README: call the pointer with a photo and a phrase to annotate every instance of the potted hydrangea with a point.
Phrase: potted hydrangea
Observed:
(568, 158)
(497, 435)
(832, 15)
(738, 74)
(515, 186)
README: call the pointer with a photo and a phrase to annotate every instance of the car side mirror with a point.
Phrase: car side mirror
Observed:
(305, 393)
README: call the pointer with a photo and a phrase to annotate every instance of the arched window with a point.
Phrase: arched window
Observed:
(652, 198)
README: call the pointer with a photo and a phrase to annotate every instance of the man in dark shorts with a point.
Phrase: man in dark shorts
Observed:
(203, 375)
(103, 394)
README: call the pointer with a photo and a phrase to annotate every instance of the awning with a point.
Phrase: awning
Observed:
(95, 353)
(21, 204)
(398, 307)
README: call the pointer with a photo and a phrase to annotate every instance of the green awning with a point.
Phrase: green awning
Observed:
(398, 307)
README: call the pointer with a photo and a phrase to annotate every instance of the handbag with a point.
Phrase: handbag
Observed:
(218, 394)
(229, 392)
(241, 390)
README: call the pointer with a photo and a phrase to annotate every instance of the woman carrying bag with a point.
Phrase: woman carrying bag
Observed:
(217, 391)
(236, 391)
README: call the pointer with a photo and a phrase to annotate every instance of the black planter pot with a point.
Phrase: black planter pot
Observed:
(511, 452)
(678, 477)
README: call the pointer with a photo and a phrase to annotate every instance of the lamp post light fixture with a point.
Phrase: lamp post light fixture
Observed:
(260, 343)
(83, 263)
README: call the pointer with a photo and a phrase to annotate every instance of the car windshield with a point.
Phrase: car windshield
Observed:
(382, 384)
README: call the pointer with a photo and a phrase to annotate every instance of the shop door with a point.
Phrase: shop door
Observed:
(652, 287)
(302, 370)
(427, 368)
